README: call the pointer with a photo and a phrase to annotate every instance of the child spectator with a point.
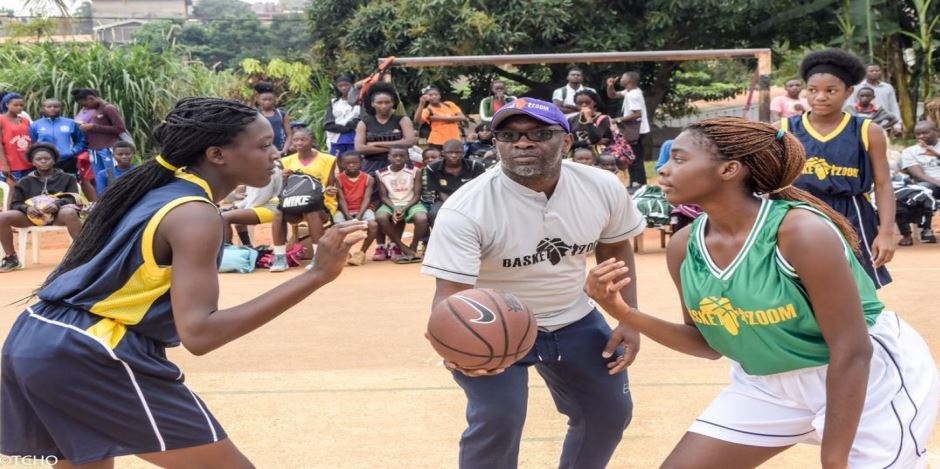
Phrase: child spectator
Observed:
(259, 207)
(483, 144)
(865, 107)
(342, 117)
(444, 117)
(14, 130)
(583, 152)
(123, 154)
(319, 165)
(28, 210)
(354, 198)
(448, 174)
(492, 103)
(428, 196)
(400, 190)
(607, 161)
(266, 100)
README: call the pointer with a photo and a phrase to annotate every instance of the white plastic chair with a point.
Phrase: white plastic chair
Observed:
(23, 233)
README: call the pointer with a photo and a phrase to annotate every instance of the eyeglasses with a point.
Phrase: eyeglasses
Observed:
(534, 135)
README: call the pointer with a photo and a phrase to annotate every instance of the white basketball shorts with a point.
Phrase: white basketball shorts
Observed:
(788, 408)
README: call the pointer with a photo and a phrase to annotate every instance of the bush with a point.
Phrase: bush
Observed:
(144, 85)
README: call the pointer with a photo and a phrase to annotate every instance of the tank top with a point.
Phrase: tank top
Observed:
(123, 284)
(837, 165)
(353, 191)
(16, 141)
(379, 132)
(756, 311)
(277, 123)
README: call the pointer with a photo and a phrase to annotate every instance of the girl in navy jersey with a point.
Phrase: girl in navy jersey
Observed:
(84, 371)
(845, 156)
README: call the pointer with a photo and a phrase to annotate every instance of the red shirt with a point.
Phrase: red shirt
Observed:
(354, 191)
(15, 142)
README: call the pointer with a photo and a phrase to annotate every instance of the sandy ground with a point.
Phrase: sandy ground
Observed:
(346, 380)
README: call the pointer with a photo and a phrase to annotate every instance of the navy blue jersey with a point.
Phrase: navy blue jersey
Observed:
(123, 284)
(837, 165)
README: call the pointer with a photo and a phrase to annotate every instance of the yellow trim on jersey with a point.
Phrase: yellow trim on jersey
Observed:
(129, 304)
(182, 174)
(846, 117)
(785, 124)
(865, 125)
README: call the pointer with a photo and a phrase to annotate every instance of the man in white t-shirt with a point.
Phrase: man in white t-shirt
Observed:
(564, 97)
(528, 228)
(633, 122)
(922, 161)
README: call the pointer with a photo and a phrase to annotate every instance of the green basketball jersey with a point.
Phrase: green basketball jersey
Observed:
(756, 311)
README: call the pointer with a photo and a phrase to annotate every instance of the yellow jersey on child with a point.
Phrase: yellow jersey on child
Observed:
(321, 167)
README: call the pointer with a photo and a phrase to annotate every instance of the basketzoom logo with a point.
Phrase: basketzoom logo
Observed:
(720, 312)
(551, 250)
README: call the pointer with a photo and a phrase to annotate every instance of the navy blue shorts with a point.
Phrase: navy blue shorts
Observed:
(66, 393)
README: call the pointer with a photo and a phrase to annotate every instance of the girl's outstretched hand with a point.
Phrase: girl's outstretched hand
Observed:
(604, 282)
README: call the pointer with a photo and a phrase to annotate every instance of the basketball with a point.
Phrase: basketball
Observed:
(482, 329)
(41, 202)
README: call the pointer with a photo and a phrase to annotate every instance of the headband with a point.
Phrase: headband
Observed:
(831, 69)
(6, 100)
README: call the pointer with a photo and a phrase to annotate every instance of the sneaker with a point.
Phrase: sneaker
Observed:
(394, 253)
(10, 263)
(380, 254)
(927, 237)
(310, 265)
(356, 258)
(279, 264)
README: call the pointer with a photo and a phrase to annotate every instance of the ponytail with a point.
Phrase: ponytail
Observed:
(194, 125)
(775, 159)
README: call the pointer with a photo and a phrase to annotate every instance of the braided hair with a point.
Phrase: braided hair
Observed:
(775, 159)
(194, 125)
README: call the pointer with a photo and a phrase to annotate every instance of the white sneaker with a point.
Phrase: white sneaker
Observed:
(279, 264)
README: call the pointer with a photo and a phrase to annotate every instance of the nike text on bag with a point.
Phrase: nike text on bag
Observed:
(301, 194)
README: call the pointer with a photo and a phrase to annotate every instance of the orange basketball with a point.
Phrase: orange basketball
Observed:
(482, 329)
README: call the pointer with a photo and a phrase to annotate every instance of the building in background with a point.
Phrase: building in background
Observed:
(116, 21)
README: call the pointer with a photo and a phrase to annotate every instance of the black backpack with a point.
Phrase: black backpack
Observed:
(302, 193)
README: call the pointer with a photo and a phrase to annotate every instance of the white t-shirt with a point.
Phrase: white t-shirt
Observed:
(566, 94)
(399, 185)
(633, 101)
(915, 155)
(496, 233)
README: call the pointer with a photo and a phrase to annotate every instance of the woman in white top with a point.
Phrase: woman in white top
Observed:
(342, 116)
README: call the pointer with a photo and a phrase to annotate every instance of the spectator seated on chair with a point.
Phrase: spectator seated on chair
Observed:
(46, 196)
(355, 197)
(922, 163)
(915, 204)
(448, 174)
(320, 166)
(400, 192)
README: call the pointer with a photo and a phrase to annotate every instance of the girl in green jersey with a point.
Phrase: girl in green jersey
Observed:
(768, 278)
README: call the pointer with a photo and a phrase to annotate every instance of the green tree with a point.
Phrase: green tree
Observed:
(360, 32)
(214, 9)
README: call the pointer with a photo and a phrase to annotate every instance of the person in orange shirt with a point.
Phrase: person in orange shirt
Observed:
(443, 117)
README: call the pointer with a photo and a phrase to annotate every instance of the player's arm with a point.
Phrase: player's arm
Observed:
(818, 254)
(605, 282)
(883, 246)
(183, 235)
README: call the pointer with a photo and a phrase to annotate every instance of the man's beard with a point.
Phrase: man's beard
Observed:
(544, 167)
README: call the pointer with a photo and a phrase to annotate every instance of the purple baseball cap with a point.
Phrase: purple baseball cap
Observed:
(534, 108)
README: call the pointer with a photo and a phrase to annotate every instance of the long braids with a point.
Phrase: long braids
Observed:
(775, 159)
(193, 125)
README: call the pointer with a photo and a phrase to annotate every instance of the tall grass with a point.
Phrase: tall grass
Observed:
(142, 84)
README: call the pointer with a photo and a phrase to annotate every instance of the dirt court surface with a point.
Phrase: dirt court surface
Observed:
(346, 379)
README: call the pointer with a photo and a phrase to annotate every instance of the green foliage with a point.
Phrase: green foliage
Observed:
(303, 93)
(351, 34)
(228, 34)
(142, 84)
